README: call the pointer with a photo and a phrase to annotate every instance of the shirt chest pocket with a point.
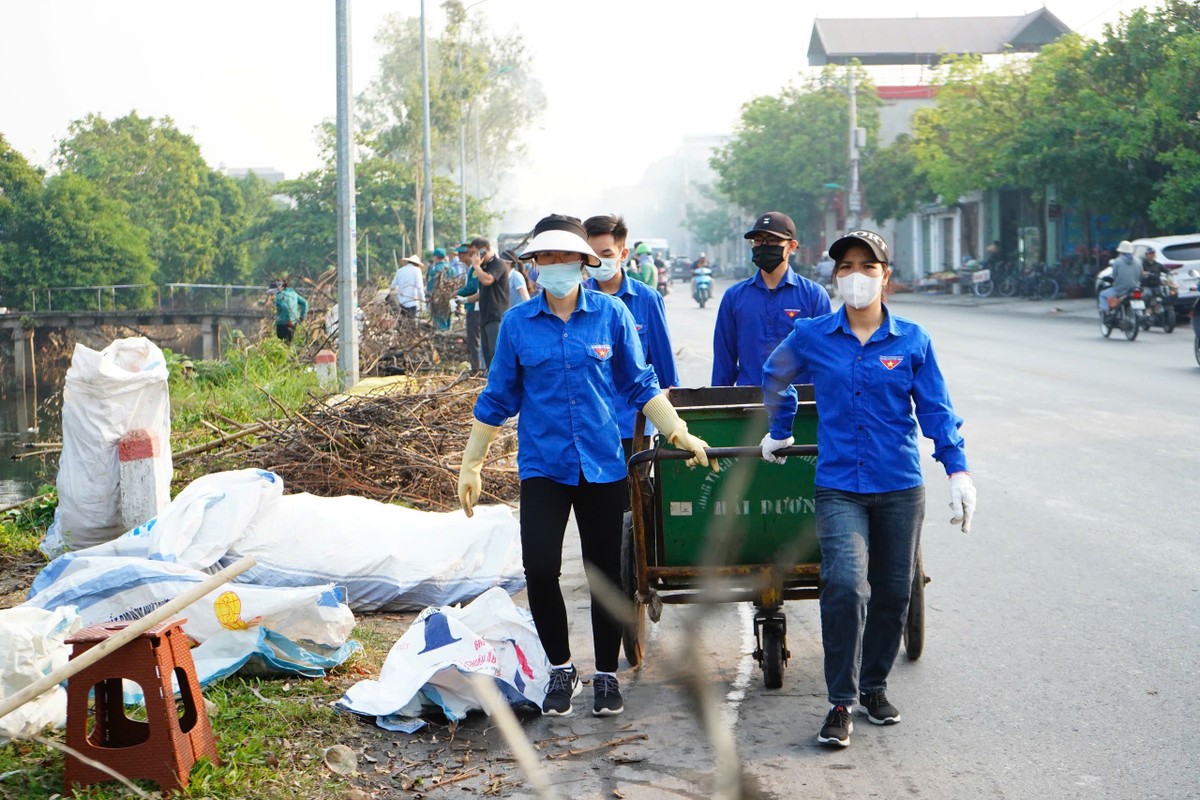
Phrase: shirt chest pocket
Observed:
(534, 357)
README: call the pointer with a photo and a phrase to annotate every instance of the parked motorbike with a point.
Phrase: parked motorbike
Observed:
(664, 281)
(1125, 315)
(1159, 311)
(702, 285)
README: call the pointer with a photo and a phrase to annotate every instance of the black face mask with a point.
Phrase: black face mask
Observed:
(767, 256)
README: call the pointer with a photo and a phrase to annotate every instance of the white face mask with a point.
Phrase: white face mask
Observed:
(859, 290)
(607, 269)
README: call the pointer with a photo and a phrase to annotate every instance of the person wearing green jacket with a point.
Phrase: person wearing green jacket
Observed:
(644, 269)
(290, 310)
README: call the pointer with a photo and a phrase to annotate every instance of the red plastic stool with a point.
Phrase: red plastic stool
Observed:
(165, 747)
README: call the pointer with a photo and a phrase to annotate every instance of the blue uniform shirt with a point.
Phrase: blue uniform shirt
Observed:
(866, 433)
(650, 319)
(753, 320)
(565, 379)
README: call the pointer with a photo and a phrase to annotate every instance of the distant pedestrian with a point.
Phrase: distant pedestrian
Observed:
(409, 287)
(468, 299)
(439, 271)
(290, 310)
(518, 289)
(494, 295)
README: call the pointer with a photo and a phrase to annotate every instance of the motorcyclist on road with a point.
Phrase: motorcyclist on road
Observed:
(1152, 269)
(1126, 273)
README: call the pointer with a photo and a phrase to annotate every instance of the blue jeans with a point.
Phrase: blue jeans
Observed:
(868, 552)
(1104, 295)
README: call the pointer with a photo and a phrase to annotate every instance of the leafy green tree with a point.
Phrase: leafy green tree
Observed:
(20, 217)
(191, 213)
(895, 187)
(87, 239)
(477, 82)
(712, 221)
(787, 147)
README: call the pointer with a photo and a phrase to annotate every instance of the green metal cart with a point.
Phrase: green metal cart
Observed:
(746, 533)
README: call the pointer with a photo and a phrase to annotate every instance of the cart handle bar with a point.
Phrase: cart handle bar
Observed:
(663, 454)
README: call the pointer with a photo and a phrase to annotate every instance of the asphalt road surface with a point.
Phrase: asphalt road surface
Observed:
(1062, 634)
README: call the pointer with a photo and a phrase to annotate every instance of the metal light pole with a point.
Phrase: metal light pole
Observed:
(462, 156)
(428, 202)
(347, 239)
(855, 198)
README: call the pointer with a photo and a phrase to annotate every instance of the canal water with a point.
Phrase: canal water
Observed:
(20, 423)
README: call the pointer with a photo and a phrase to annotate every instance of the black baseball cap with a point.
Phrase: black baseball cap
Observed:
(775, 222)
(871, 239)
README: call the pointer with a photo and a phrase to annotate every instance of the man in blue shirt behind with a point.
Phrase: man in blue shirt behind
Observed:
(757, 313)
(607, 234)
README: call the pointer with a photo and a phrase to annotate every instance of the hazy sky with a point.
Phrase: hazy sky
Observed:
(625, 80)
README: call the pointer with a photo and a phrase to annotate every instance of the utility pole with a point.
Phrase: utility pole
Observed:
(428, 202)
(347, 239)
(462, 158)
(855, 198)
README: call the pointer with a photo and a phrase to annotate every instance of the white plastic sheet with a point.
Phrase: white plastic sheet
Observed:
(32, 645)
(106, 395)
(429, 668)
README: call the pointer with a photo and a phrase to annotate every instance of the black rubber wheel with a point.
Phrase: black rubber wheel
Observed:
(1007, 287)
(1105, 325)
(914, 626)
(1046, 288)
(1169, 320)
(1197, 349)
(634, 634)
(1130, 323)
(772, 660)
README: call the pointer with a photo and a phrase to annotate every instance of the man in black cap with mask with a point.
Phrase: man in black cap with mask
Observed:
(757, 313)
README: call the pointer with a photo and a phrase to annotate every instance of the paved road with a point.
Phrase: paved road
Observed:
(1063, 634)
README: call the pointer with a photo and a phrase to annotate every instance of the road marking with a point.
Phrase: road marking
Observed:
(737, 692)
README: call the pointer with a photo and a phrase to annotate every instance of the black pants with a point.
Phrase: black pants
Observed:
(285, 331)
(473, 349)
(488, 332)
(545, 506)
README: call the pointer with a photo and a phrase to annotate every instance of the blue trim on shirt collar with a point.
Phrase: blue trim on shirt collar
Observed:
(538, 305)
(837, 321)
(789, 278)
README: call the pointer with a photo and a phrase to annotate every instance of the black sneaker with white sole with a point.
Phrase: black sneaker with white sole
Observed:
(837, 728)
(607, 692)
(877, 708)
(564, 685)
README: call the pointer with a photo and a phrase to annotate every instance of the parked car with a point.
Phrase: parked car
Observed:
(681, 268)
(1179, 254)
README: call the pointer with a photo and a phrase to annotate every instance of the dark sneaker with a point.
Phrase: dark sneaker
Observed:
(837, 728)
(564, 685)
(877, 708)
(608, 696)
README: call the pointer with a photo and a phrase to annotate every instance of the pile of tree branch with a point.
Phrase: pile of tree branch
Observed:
(404, 444)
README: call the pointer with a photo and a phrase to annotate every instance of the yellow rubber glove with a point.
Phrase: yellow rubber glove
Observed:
(662, 414)
(470, 485)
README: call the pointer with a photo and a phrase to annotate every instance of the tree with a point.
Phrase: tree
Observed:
(87, 239)
(894, 184)
(190, 212)
(476, 82)
(301, 239)
(20, 217)
(713, 221)
(787, 147)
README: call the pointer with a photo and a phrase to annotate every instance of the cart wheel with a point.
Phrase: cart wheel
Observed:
(914, 626)
(772, 660)
(632, 634)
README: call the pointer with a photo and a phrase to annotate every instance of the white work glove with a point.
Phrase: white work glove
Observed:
(662, 414)
(769, 446)
(470, 484)
(962, 500)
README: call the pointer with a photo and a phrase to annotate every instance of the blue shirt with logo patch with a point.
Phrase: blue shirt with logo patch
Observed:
(650, 319)
(866, 397)
(565, 380)
(752, 320)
